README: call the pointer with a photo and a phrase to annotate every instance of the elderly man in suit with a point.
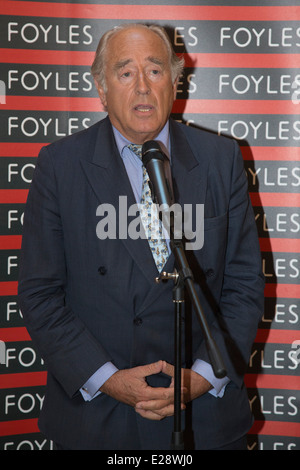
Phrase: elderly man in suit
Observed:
(90, 303)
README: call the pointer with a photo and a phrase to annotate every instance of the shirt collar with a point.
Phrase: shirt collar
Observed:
(163, 138)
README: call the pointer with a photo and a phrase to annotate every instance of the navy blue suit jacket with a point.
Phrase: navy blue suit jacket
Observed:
(87, 301)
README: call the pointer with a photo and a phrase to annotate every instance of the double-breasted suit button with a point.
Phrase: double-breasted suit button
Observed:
(209, 273)
(137, 321)
(102, 270)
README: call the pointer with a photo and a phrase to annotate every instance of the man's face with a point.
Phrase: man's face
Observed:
(140, 92)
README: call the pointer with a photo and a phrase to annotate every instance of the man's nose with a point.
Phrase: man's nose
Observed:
(142, 85)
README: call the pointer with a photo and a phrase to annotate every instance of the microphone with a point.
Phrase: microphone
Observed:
(153, 159)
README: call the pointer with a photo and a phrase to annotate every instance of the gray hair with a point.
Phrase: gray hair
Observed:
(98, 66)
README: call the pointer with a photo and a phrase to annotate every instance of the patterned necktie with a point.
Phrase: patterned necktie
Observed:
(150, 218)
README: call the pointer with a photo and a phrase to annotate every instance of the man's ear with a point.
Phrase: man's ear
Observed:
(101, 94)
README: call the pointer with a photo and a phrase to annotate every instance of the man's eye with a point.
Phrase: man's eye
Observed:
(126, 74)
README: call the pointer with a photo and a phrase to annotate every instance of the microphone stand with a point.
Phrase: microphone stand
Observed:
(154, 159)
(183, 277)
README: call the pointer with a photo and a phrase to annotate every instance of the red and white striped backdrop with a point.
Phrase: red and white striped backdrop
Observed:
(242, 79)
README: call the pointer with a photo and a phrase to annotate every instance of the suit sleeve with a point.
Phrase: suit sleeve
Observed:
(70, 351)
(242, 296)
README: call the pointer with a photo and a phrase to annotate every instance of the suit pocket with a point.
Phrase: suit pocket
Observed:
(218, 223)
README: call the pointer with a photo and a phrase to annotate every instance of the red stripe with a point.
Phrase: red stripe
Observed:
(13, 196)
(281, 382)
(231, 106)
(235, 60)
(275, 428)
(285, 291)
(283, 245)
(10, 242)
(160, 12)
(27, 56)
(23, 426)
(14, 334)
(288, 291)
(64, 103)
(8, 288)
(276, 336)
(201, 60)
(275, 199)
(24, 149)
(57, 103)
(16, 149)
(271, 153)
(26, 379)
(263, 335)
(35, 379)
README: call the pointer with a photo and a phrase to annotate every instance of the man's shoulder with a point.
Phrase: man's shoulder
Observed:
(197, 132)
(200, 139)
(77, 141)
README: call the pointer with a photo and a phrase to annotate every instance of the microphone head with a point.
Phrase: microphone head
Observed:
(151, 149)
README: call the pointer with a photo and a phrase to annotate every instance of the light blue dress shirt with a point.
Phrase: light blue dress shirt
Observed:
(133, 166)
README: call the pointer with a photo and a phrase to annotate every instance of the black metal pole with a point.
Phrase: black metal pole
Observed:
(177, 435)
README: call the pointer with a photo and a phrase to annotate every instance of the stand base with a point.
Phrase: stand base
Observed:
(177, 441)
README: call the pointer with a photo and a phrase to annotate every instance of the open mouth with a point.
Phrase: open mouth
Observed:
(143, 108)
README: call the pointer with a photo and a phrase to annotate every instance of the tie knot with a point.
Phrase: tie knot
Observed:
(137, 149)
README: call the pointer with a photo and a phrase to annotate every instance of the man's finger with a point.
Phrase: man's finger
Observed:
(149, 369)
(146, 411)
(167, 369)
(150, 415)
(152, 405)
